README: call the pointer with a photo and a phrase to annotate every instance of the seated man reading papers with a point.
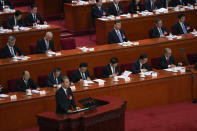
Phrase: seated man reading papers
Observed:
(10, 49)
(167, 60)
(81, 74)
(140, 65)
(112, 69)
(54, 78)
(64, 98)
(26, 82)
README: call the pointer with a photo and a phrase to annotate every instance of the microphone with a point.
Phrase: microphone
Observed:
(193, 75)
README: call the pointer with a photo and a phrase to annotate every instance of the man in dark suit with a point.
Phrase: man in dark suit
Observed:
(181, 27)
(26, 82)
(64, 98)
(33, 17)
(151, 5)
(45, 44)
(159, 30)
(81, 74)
(111, 70)
(140, 65)
(6, 4)
(136, 6)
(15, 20)
(10, 49)
(115, 8)
(116, 35)
(54, 78)
(167, 60)
(167, 3)
(98, 11)
(193, 2)
(181, 2)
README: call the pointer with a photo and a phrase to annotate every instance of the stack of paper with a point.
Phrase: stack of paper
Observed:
(4, 95)
(99, 80)
(125, 74)
(85, 49)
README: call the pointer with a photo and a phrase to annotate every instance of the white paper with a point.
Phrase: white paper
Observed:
(35, 91)
(4, 95)
(99, 80)
(88, 82)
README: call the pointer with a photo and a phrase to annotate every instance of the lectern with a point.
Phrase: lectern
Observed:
(109, 116)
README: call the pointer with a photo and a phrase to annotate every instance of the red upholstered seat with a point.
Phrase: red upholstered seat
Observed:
(42, 80)
(125, 67)
(68, 44)
(98, 71)
(69, 74)
(191, 58)
(32, 48)
(12, 84)
(155, 62)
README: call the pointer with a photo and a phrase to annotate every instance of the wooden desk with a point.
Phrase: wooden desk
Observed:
(78, 17)
(139, 93)
(137, 28)
(102, 118)
(49, 9)
(70, 59)
(25, 38)
(4, 16)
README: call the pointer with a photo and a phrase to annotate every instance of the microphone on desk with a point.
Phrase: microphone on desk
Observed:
(193, 75)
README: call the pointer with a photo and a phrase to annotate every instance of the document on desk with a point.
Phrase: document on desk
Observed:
(88, 82)
(125, 74)
(99, 80)
(4, 95)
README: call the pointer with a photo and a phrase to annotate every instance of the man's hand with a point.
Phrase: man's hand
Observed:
(88, 79)
(165, 33)
(172, 65)
(143, 70)
(69, 111)
(78, 108)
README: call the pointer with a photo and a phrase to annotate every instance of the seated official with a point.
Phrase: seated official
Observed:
(181, 27)
(26, 82)
(10, 49)
(45, 44)
(140, 65)
(54, 78)
(116, 35)
(81, 74)
(158, 30)
(193, 2)
(33, 17)
(64, 98)
(112, 69)
(167, 3)
(98, 11)
(136, 7)
(181, 2)
(167, 60)
(115, 8)
(6, 4)
(151, 5)
(15, 20)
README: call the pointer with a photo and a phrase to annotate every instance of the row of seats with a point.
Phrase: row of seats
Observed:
(97, 72)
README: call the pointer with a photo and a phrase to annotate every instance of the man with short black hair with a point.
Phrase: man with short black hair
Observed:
(64, 98)
(181, 27)
(140, 65)
(10, 49)
(158, 30)
(115, 8)
(15, 20)
(111, 70)
(54, 78)
(81, 74)
(33, 17)
(116, 35)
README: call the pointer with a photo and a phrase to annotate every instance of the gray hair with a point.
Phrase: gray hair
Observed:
(166, 50)
(11, 39)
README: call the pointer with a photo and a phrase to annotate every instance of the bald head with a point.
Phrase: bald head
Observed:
(49, 36)
(26, 75)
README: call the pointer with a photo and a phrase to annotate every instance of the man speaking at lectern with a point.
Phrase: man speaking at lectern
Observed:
(64, 98)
